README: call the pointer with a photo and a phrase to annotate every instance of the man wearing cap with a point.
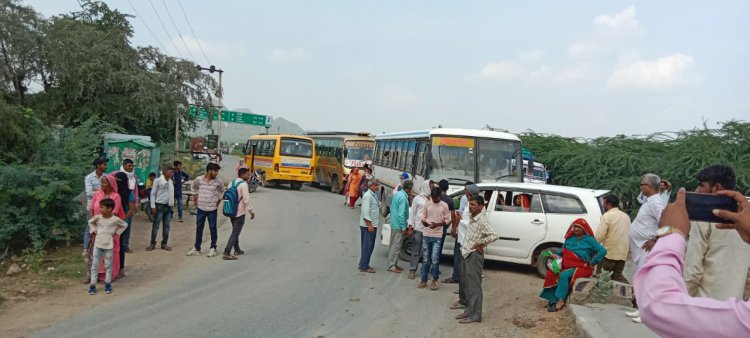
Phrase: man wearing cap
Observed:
(404, 176)
(92, 183)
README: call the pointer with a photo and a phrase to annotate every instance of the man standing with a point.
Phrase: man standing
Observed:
(458, 231)
(92, 183)
(399, 222)
(435, 218)
(369, 218)
(162, 201)
(404, 176)
(179, 178)
(716, 261)
(643, 230)
(415, 225)
(479, 233)
(208, 190)
(238, 221)
(128, 168)
(613, 234)
(444, 186)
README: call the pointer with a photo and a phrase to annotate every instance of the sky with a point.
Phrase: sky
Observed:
(572, 68)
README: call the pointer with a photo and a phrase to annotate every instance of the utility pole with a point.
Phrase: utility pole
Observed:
(176, 131)
(211, 70)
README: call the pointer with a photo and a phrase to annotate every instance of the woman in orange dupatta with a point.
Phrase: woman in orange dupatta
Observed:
(354, 180)
(108, 190)
(580, 253)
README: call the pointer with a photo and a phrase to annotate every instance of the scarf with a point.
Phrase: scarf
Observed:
(132, 180)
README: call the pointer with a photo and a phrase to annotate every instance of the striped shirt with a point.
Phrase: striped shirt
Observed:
(210, 193)
(479, 231)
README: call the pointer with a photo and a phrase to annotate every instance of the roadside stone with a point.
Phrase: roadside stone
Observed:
(582, 290)
(14, 269)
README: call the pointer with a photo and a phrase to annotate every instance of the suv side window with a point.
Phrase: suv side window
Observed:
(518, 201)
(564, 205)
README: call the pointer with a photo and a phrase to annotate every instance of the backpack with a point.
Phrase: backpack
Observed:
(232, 200)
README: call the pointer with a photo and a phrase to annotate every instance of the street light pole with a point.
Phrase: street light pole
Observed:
(211, 70)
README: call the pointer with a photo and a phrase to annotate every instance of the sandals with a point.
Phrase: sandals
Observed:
(434, 285)
(457, 306)
(369, 270)
(411, 275)
(467, 321)
(229, 258)
(421, 285)
(450, 280)
(394, 270)
(239, 252)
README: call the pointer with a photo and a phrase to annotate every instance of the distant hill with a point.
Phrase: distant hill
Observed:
(238, 133)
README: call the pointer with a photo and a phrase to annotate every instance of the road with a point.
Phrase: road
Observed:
(298, 278)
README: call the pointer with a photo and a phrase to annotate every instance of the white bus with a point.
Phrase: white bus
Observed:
(537, 173)
(456, 155)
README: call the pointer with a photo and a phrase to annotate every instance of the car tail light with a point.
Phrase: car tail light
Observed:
(276, 167)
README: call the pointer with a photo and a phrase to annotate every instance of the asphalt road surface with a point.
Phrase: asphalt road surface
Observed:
(298, 278)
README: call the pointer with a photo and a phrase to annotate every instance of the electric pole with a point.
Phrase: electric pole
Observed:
(211, 70)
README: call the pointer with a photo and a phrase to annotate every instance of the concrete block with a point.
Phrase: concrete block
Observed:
(581, 290)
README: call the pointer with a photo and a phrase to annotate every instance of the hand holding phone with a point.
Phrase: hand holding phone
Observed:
(700, 206)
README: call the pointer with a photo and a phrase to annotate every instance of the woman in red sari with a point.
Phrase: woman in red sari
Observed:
(108, 190)
(580, 253)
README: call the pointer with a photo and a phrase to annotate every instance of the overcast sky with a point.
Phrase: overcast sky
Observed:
(574, 68)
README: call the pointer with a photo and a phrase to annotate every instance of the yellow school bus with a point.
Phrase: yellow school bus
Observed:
(285, 159)
(338, 153)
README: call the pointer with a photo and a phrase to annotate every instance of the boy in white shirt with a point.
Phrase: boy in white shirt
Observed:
(105, 226)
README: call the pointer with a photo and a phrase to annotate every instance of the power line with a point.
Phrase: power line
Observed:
(178, 31)
(177, 50)
(193, 32)
(147, 27)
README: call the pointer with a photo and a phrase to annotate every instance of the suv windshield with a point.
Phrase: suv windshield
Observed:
(295, 147)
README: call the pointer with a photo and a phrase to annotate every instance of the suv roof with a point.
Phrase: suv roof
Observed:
(545, 187)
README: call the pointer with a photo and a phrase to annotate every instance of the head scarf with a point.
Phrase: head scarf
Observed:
(426, 191)
(132, 180)
(112, 182)
(581, 223)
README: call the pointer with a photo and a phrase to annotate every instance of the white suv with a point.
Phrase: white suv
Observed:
(528, 218)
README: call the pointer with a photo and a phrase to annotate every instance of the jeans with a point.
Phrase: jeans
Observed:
(201, 223)
(178, 201)
(234, 238)
(394, 249)
(97, 254)
(416, 250)
(456, 261)
(86, 236)
(431, 254)
(367, 244)
(125, 241)
(163, 215)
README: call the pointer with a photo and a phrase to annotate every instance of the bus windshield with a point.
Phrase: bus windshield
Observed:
(295, 147)
(497, 159)
(452, 159)
(359, 150)
(461, 159)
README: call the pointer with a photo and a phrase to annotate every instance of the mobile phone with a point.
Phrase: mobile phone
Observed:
(700, 206)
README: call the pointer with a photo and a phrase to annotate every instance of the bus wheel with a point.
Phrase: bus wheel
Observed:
(296, 185)
(335, 185)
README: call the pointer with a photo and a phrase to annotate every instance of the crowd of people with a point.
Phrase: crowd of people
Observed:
(712, 263)
(111, 204)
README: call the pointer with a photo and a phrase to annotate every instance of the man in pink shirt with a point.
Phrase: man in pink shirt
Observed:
(665, 305)
(435, 217)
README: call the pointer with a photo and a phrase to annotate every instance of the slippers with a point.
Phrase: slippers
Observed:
(467, 321)
(421, 285)
(411, 275)
(370, 270)
(462, 316)
(394, 270)
(457, 306)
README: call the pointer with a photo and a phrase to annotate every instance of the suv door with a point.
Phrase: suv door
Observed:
(519, 219)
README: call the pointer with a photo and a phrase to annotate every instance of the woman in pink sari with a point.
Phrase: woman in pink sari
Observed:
(108, 190)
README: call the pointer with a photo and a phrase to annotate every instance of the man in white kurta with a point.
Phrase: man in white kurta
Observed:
(644, 226)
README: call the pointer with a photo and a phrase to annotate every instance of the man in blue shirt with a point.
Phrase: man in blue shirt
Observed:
(399, 222)
(368, 225)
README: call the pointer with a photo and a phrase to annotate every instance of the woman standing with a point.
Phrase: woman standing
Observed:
(108, 190)
(127, 198)
(354, 180)
(580, 253)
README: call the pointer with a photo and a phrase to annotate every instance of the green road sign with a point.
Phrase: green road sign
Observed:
(232, 117)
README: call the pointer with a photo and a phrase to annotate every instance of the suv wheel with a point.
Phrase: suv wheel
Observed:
(541, 261)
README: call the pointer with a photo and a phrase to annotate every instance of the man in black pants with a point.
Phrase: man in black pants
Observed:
(243, 208)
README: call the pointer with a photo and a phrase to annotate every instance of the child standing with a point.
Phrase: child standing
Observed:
(104, 226)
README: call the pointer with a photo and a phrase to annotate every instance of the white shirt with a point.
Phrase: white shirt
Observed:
(416, 211)
(644, 228)
(463, 224)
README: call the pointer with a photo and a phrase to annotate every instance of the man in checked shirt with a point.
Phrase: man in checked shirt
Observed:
(479, 233)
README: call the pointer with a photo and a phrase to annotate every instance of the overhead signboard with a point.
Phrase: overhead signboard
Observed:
(232, 117)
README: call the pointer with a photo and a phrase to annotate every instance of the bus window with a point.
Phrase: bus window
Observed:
(397, 155)
(409, 163)
(421, 158)
(295, 147)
